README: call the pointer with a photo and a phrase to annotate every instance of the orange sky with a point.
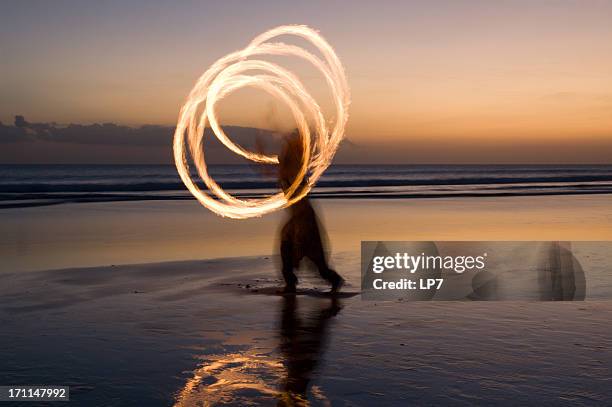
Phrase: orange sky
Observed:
(534, 72)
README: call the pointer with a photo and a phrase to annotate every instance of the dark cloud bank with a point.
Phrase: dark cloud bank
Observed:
(25, 142)
(109, 143)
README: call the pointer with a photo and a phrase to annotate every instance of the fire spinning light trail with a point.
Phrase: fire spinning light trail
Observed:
(231, 73)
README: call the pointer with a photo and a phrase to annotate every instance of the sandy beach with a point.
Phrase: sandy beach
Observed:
(208, 332)
(95, 234)
(169, 329)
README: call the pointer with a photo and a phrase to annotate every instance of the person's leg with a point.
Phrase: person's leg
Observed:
(318, 258)
(287, 268)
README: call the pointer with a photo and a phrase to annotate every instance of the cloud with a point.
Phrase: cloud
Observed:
(111, 143)
(108, 133)
(26, 142)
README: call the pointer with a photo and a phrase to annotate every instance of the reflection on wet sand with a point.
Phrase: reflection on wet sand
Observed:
(280, 375)
(232, 378)
(303, 340)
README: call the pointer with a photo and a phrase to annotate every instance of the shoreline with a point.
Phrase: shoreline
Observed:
(93, 234)
(58, 199)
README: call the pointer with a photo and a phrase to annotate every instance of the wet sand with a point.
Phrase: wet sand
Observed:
(199, 332)
(214, 331)
(94, 234)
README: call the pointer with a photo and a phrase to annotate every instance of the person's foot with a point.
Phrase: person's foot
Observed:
(337, 284)
(289, 289)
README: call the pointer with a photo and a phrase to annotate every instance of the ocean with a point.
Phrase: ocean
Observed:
(39, 185)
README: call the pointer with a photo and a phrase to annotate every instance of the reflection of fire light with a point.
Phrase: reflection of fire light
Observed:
(230, 374)
(240, 377)
(227, 75)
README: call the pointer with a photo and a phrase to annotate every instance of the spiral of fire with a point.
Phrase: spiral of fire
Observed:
(320, 137)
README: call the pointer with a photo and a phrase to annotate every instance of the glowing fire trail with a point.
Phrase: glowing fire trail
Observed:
(229, 74)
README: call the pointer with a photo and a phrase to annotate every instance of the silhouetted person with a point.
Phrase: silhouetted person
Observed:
(301, 235)
(303, 339)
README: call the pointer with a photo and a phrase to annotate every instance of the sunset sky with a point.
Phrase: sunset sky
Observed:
(480, 77)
